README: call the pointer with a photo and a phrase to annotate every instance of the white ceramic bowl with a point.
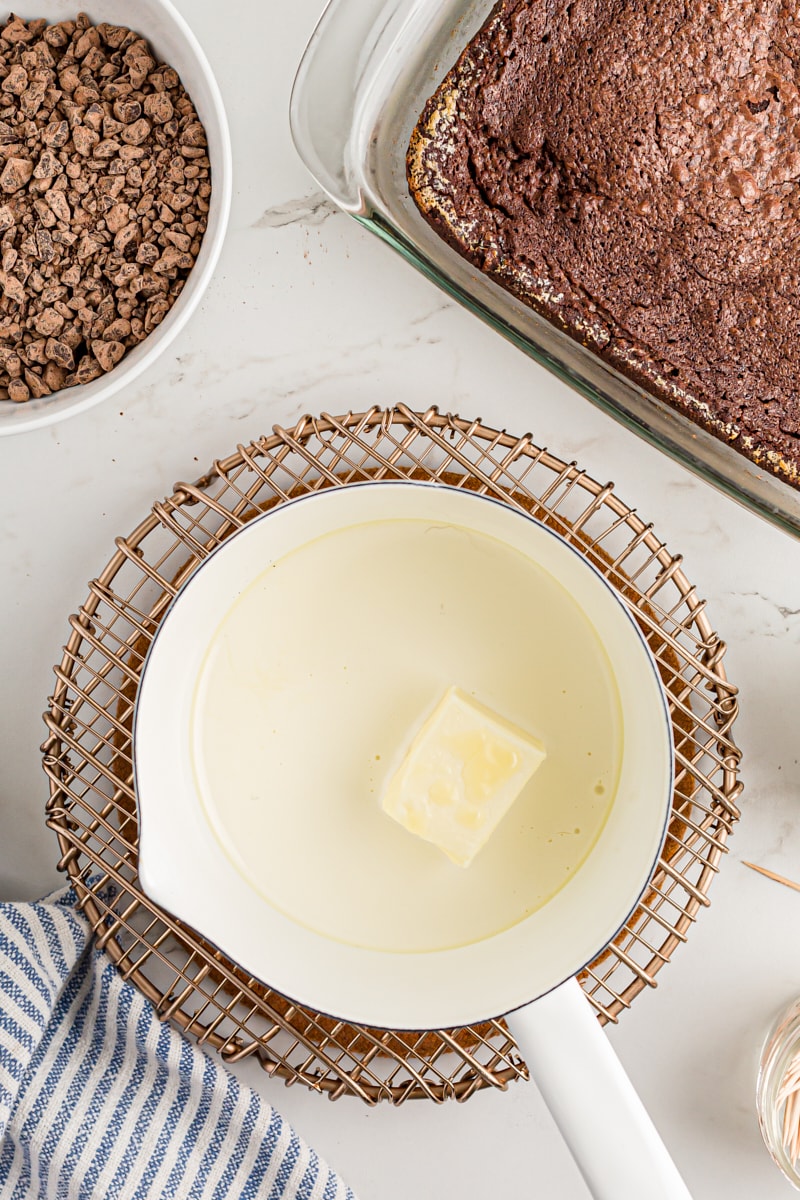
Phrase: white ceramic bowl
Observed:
(185, 867)
(173, 42)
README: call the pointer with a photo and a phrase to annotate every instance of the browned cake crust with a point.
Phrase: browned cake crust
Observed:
(631, 170)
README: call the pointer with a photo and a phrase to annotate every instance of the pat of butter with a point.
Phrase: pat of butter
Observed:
(461, 774)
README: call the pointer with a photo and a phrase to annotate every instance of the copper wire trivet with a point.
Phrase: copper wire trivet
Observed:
(87, 755)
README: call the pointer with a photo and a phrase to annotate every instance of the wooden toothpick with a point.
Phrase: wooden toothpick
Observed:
(771, 875)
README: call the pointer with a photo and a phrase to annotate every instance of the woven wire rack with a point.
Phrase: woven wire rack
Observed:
(87, 754)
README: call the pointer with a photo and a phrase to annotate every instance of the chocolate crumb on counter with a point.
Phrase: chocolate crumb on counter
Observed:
(105, 184)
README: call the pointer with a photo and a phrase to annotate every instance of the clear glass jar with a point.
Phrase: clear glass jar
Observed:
(778, 1093)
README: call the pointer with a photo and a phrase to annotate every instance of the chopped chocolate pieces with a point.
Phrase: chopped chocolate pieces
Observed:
(15, 174)
(104, 197)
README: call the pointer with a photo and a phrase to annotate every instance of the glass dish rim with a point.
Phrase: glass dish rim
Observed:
(342, 177)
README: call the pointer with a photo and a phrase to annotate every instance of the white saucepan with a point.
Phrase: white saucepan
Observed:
(273, 704)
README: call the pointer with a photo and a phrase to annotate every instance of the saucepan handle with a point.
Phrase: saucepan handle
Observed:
(603, 1121)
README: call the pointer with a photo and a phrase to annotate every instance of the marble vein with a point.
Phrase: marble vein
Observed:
(783, 611)
(312, 209)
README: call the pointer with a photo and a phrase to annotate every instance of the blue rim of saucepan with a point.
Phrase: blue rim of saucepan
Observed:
(416, 483)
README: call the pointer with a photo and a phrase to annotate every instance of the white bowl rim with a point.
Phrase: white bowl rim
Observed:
(61, 405)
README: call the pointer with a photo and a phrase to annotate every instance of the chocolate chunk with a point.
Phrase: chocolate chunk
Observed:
(158, 107)
(59, 352)
(16, 81)
(84, 139)
(48, 166)
(18, 391)
(95, 245)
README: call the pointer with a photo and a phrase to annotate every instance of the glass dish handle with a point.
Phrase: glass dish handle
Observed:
(330, 114)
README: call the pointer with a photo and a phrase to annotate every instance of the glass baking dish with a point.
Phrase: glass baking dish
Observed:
(365, 76)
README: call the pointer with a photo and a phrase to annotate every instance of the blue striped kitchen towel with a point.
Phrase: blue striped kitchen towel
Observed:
(101, 1101)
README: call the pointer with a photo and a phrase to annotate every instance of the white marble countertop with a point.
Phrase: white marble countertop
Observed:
(308, 312)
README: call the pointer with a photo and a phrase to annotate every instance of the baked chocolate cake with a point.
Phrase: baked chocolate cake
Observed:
(631, 169)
